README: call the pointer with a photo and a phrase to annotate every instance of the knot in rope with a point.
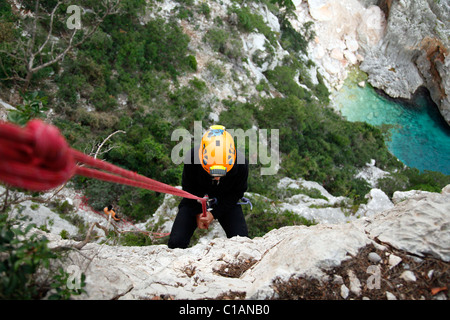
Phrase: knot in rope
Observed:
(36, 157)
(50, 148)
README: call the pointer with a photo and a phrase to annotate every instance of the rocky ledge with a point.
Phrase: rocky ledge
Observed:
(400, 253)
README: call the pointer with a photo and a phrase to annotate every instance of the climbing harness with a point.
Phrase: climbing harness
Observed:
(246, 201)
(38, 158)
(209, 203)
(214, 201)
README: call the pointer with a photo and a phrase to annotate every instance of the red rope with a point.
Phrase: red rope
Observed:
(38, 158)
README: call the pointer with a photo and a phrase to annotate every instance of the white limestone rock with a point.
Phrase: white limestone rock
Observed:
(419, 225)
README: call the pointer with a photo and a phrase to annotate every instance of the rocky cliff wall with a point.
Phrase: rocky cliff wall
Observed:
(342, 28)
(414, 51)
(402, 45)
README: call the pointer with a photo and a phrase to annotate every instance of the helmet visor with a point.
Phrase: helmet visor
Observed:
(218, 171)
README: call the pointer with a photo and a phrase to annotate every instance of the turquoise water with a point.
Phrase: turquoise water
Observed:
(420, 137)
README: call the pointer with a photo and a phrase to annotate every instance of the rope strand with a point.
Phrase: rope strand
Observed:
(38, 158)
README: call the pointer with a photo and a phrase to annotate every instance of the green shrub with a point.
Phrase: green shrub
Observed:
(191, 62)
(249, 22)
(291, 39)
(102, 100)
(204, 9)
(265, 216)
(23, 255)
(321, 90)
(63, 207)
(412, 179)
(283, 79)
(34, 105)
(82, 77)
(216, 73)
(64, 234)
(135, 239)
(238, 115)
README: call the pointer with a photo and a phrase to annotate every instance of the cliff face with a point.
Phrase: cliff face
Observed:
(342, 29)
(402, 45)
(414, 51)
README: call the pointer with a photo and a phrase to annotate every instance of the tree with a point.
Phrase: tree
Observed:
(49, 33)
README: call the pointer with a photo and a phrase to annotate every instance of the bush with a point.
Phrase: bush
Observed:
(82, 77)
(34, 105)
(287, 115)
(191, 62)
(217, 39)
(282, 78)
(321, 90)
(238, 115)
(292, 40)
(102, 100)
(249, 22)
(265, 217)
(412, 179)
(23, 256)
(96, 120)
(135, 239)
(204, 9)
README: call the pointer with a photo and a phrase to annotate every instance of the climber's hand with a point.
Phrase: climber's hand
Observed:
(203, 222)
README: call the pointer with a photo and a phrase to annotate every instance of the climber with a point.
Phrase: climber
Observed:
(217, 174)
(110, 212)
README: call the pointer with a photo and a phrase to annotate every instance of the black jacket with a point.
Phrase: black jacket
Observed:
(228, 191)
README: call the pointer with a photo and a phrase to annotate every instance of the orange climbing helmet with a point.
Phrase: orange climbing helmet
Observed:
(217, 152)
